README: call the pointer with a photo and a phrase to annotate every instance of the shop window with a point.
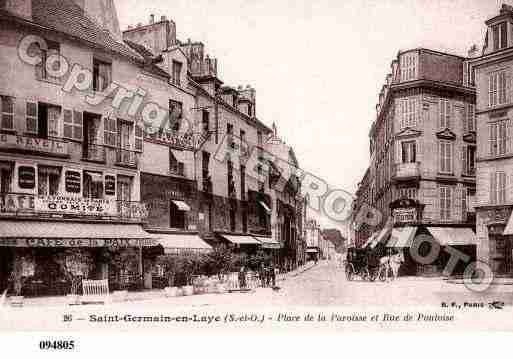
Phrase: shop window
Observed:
(176, 216)
(102, 75)
(93, 185)
(48, 179)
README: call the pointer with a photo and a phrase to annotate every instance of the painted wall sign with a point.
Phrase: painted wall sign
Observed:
(40, 145)
(13, 202)
(72, 181)
(110, 185)
(76, 242)
(26, 177)
(70, 205)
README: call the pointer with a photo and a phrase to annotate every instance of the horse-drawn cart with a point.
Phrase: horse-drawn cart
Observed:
(361, 262)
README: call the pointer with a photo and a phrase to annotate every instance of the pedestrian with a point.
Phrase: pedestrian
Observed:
(242, 277)
(273, 275)
(261, 274)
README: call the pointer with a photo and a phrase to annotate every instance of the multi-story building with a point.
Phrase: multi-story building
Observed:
(70, 159)
(313, 238)
(422, 154)
(361, 231)
(492, 72)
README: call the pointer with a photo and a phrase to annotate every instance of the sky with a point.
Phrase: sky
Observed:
(318, 67)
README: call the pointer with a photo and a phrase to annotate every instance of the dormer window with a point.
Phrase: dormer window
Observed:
(500, 36)
(176, 73)
(408, 67)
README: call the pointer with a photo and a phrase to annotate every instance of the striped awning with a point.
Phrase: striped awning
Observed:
(449, 236)
(268, 242)
(179, 242)
(245, 239)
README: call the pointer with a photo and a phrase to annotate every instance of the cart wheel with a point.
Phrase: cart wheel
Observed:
(373, 275)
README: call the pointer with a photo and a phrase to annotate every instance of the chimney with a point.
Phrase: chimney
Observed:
(152, 19)
(163, 18)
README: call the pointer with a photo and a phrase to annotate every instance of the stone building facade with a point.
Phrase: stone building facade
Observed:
(422, 154)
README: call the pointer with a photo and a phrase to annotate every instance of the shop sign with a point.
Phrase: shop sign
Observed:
(72, 181)
(182, 141)
(79, 206)
(76, 242)
(32, 144)
(26, 177)
(110, 185)
(404, 215)
(14, 202)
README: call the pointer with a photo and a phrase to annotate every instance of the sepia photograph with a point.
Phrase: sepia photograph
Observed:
(255, 165)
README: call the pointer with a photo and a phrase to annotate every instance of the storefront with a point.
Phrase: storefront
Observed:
(499, 223)
(39, 257)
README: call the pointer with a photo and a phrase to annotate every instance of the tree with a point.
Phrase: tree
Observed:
(125, 261)
(219, 260)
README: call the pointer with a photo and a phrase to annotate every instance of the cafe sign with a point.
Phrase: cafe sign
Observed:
(32, 144)
(76, 242)
(78, 206)
(405, 215)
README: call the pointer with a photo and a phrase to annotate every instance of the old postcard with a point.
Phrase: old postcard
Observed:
(246, 165)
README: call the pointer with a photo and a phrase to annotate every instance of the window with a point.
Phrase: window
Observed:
(470, 121)
(73, 122)
(409, 151)
(48, 179)
(408, 112)
(469, 160)
(48, 121)
(5, 177)
(206, 121)
(53, 48)
(175, 114)
(232, 219)
(229, 176)
(175, 167)
(124, 185)
(205, 162)
(138, 137)
(102, 75)
(250, 109)
(109, 131)
(243, 182)
(176, 73)
(176, 216)
(445, 203)
(445, 114)
(500, 38)
(124, 135)
(260, 138)
(408, 67)
(498, 137)
(408, 192)
(498, 187)
(445, 156)
(6, 113)
(93, 185)
(497, 88)
(31, 117)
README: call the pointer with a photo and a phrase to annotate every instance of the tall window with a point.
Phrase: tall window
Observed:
(497, 88)
(176, 73)
(53, 48)
(102, 75)
(470, 123)
(6, 113)
(124, 188)
(175, 114)
(469, 160)
(93, 185)
(176, 216)
(445, 114)
(242, 182)
(445, 203)
(5, 177)
(48, 179)
(408, 67)
(445, 156)
(205, 121)
(498, 137)
(498, 187)
(408, 112)
(229, 177)
(409, 151)
(500, 36)
(407, 192)
(73, 122)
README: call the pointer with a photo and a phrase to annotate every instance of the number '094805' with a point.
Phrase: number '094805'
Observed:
(57, 344)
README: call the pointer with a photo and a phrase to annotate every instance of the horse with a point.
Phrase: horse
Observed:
(393, 262)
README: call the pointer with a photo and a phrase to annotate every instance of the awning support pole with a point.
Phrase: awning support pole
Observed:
(141, 277)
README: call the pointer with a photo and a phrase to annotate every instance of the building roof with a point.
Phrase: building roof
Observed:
(149, 58)
(67, 17)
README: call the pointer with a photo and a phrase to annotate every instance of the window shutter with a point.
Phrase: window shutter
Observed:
(67, 116)
(493, 138)
(464, 169)
(490, 90)
(31, 113)
(138, 137)
(493, 187)
(465, 119)
(502, 87)
(502, 186)
(77, 125)
(109, 131)
(448, 114)
(441, 114)
(509, 146)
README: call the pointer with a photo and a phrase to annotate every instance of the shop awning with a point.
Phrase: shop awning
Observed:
(182, 206)
(95, 176)
(382, 235)
(265, 206)
(49, 170)
(240, 239)
(312, 250)
(268, 242)
(176, 242)
(72, 234)
(448, 236)
(509, 227)
(402, 237)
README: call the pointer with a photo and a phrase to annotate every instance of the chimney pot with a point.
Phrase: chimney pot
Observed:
(248, 86)
(152, 19)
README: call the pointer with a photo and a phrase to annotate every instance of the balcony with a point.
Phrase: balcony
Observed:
(27, 144)
(28, 205)
(406, 171)
(127, 158)
(93, 153)
(469, 172)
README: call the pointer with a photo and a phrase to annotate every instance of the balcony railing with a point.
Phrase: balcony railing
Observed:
(127, 158)
(406, 171)
(21, 204)
(469, 171)
(178, 169)
(93, 152)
